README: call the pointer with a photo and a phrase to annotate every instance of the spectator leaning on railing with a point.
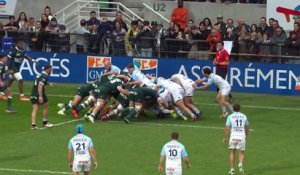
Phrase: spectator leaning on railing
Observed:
(130, 43)
(38, 37)
(119, 18)
(146, 39)
(118, 39)
(82, 35)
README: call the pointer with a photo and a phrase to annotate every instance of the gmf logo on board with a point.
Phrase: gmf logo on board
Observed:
(147, 66)
(95, 65)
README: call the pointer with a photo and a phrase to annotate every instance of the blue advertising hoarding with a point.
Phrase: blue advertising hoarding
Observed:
(243, 77)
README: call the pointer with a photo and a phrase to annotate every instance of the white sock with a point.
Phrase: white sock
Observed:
(223, 109)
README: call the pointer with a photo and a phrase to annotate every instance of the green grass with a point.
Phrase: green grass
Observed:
(134, 149)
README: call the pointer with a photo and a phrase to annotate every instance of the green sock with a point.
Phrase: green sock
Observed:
(67, 107)
(9, 102)
(132, 113)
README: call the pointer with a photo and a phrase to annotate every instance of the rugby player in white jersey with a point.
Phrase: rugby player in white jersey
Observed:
(177, 94)
(80, 151)
(172, 154)
(189, 87)
(223, 85)
(110, 69)
(238, 126)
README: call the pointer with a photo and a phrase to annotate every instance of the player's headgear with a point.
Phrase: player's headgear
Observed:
(79, 128)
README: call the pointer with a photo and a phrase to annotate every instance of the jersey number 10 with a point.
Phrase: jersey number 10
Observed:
(173, 152)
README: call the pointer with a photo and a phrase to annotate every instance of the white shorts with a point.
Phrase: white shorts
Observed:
(189, 89)
(18, 76)
(177, 94)
(225, 91)
(173, 171)
(237, 143)
(79, 166)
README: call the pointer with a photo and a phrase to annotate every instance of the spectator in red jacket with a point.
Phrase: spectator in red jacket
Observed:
(213, 38)
(180, 15)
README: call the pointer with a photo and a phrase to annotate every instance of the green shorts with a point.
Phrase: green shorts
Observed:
(102, 92)
(137, 95)
(83, 91)
(35, 99)
(123, 100)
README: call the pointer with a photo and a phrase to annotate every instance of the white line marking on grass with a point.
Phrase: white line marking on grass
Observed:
(33, 171)
(209, 104)
(174, 125)
(256, 107)
(64, 123)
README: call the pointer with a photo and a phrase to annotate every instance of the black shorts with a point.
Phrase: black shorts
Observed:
(35, 99)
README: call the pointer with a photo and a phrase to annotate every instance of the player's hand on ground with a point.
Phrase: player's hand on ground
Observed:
(41, 100)
(95, 165)
(160, 169)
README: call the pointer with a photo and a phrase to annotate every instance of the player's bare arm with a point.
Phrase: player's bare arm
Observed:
(226, 133)
(161, 162)
(187, 162)
(40, 92)
(70, 157)
(93, 154)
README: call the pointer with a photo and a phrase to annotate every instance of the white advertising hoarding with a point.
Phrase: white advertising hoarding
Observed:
(284, 11)
(7, 7)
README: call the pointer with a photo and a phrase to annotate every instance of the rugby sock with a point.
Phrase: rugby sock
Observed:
(67, 107)
(9, 102)
(80, 107)
(45, 121)
(178, 111)
(193, 115)
(223, 109)
(33, 125)
(21, 95)
(196, 111)
(93, 115)
(240, 164)
(132, 113)
(229, 108)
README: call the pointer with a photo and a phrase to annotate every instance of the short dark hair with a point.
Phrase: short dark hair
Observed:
(83, 22)
(130, 66)
(174, 135)
(53, 19)
(263, 18)
(207, 71)
(146, 23)
(19, 40)
(47, 67)
(236, 107)
(221, 42)
(92, 12)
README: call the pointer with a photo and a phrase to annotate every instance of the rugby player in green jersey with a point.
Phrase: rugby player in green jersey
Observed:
(3, 87)
(16, 56)
(38, 97)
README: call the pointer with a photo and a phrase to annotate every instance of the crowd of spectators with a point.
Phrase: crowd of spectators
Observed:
(182, 38)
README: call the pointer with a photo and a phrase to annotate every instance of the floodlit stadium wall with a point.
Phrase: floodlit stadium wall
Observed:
(243, 77)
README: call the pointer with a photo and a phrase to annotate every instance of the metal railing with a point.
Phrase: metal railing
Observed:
(109, 44)
(80, 9)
